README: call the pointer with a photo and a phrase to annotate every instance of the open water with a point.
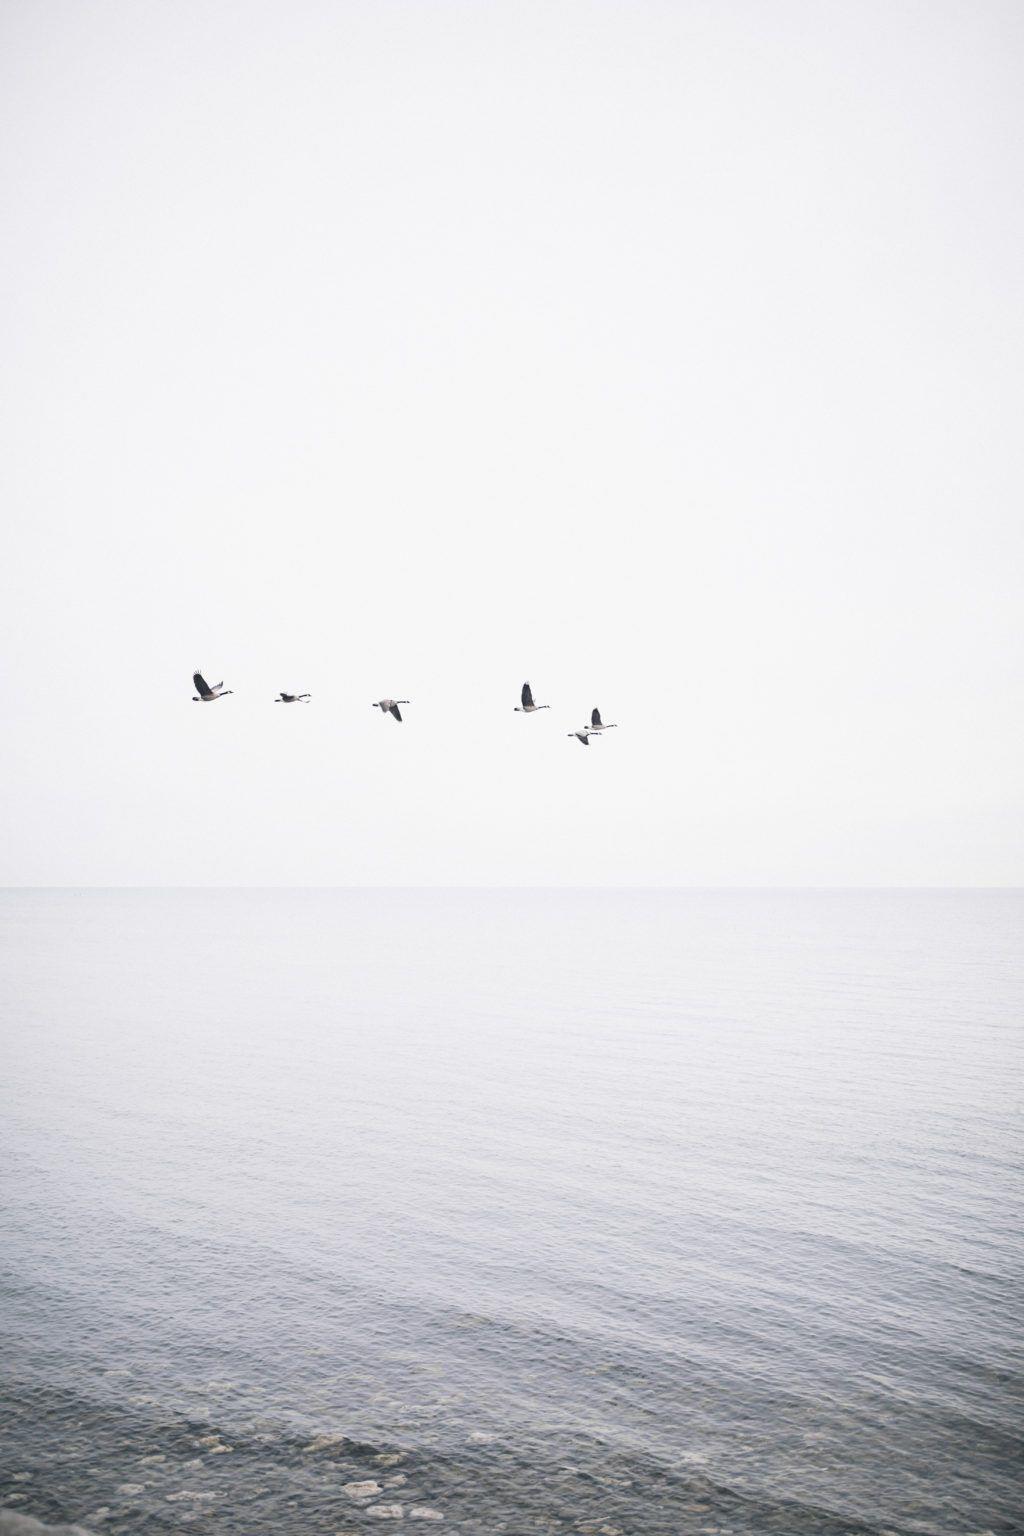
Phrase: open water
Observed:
(591, 1212)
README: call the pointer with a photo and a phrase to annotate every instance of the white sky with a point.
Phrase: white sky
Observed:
(668, 355)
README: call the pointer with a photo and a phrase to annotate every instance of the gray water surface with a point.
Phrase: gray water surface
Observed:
(607, 1212)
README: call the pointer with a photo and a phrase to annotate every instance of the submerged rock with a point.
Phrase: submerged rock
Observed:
(387, 1511)
(14, 1524)
(361, 1491)
(325, 1443)
(481, 1437)
(423, 1512)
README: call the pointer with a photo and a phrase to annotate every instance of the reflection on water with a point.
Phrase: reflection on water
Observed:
(609, 1212)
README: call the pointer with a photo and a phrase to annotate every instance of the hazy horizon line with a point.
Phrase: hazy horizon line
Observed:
(471, 886)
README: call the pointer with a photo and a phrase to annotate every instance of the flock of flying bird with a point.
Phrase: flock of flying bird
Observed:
(205, 694)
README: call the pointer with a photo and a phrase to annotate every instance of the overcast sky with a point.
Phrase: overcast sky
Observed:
(667, 355)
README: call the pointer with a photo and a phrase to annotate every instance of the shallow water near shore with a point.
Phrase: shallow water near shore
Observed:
(596, 1211)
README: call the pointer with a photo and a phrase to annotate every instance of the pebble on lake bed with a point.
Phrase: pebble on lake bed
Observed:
(397, 1481)
(130, 1488)
(325, 1443)
(12, 1523)
(361, 1491)
(422, 1512)
(481, 1437)
(387, 1511)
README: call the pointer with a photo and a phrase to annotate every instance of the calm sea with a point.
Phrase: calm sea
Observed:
(528, 1211)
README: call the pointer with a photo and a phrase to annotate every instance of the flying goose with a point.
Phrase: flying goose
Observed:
(583, 736)
(528, 707)
(291, 698)
(390, 706)
(596, 723)
(204, 693)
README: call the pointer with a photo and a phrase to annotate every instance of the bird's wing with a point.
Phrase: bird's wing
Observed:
(527, 696)
(584, 737)
(396, 711)
(595, 719)
(201, 685)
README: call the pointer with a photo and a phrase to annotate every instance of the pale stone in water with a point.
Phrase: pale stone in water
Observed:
(481, 1437)
(387, 1511)
(359, 1491)
(396, 1481)
(423, 1512)
(14, 1524)
(325, 1442)
(130, 1488)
